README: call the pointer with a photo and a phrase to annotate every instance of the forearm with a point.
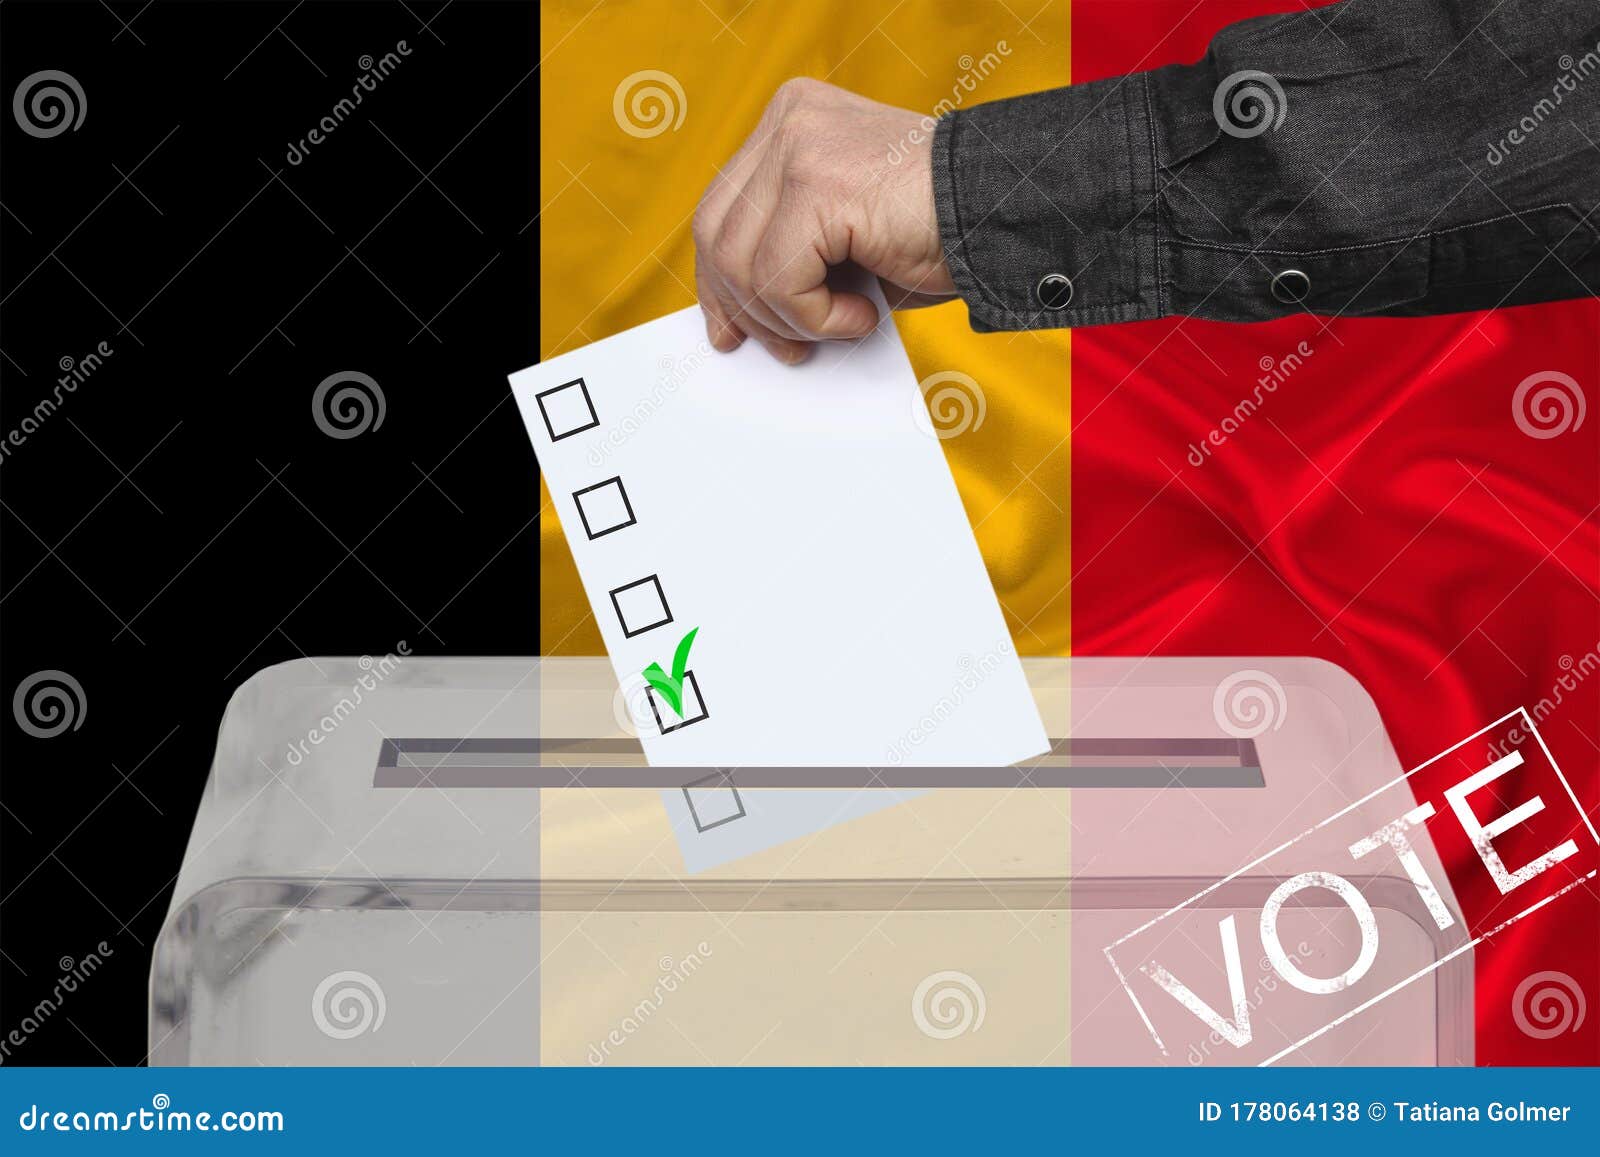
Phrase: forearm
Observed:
(1389, 168)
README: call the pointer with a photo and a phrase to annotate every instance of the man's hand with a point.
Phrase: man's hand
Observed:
(826, 177)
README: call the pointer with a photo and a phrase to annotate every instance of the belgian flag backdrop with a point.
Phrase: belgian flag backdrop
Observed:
(1387, 512)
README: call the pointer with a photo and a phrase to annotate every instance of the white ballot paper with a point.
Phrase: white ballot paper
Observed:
(802, 521)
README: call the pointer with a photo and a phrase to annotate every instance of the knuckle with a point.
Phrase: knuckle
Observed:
(765, 289)
(806, 163)
(700, 230)
(766, 264)
(707, 296)
(726, 259)
(772, 260)
(798, 90)
(803, 141)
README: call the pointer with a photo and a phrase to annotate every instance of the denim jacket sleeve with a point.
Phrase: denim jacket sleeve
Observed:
(1395, 157)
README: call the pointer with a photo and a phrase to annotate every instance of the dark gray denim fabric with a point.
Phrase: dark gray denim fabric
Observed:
(1431, 157)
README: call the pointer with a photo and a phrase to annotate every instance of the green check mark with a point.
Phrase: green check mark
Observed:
(671, 686)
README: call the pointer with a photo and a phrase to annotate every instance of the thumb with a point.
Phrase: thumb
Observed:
(819, 311)
(795, 275)
(840, 315)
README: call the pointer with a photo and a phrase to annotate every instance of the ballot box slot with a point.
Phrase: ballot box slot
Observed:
(1192, 763)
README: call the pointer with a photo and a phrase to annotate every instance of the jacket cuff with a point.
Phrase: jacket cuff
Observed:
(1046, 207)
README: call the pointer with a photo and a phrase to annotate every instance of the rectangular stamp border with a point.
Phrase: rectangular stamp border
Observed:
(1533, 730)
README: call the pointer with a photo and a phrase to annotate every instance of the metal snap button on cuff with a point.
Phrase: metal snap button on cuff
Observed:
(1291, 286)
(1054, 291)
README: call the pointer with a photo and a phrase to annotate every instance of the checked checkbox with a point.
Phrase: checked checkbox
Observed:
(694, 709)
(641, 606)
(604, 508)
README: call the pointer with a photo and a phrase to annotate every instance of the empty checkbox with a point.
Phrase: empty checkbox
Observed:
(567, 409)
(641, 606)
(694, 707)
(604, 507)
(713, 801)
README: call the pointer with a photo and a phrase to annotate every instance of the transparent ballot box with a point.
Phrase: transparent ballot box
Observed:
(467, 861)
